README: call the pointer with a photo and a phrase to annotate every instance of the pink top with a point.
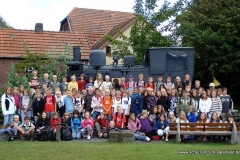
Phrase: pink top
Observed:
(134, 125)
(17, 101)
(87, 121)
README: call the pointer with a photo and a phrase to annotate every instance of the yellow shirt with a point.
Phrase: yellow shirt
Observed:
(72, 85)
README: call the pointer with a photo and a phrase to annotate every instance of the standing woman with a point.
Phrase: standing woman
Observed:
(25, 105)
(8, 107)
(204, 104)
(216, 105)
(98, 83)
(187, 81)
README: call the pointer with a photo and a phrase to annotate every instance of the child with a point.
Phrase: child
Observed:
(177, 82)
(45, 80)
(135, 125)
(183, 103)
(195, 99)
(159, 83)
(151, 99)
(202, 119)
(54, 121)
(123, 83)
(173, 100)
(16, 98)
(116, 84)
(69, 103)
(171, 117)
(25, 105)
(216, 105)
(141, 82)
(81, 82)
(204, 103)
(164, 100)
(90, 84)
(126, 104)
(107, 103)
(34, 81)
(169, 83)
(162, 127)
(21, 90)
(73, 83)
(147, 126)
(66, 120)
(182, 119)
(12, 130)
(107, 84)
(186, 81)
(192, 115)
(64, 84)
(38, 106)
(44, 90)
(226, 100)
(42, 122)
(60, 104)
(230, 119)
(153, 115)
(136, 103)
(161, 111)
(119, 118)
(98, 83)
(101, 124)
(117, 101)
(150, 84)
(96, 104)
(131, 84)
(50, 103)
(26, 128)
(76, 125)
(79, 102)
(215, 118)
(87, 125)
(54, 84)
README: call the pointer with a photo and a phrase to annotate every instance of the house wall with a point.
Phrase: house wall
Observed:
(4, 69)
(126, 33)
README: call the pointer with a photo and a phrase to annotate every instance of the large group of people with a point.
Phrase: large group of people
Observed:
(145, 107)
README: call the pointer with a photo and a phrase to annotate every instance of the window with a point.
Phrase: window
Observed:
(28, 71)
(176, 60)
(108, 50)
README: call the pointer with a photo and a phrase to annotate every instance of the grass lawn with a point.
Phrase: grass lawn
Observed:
(116, 151)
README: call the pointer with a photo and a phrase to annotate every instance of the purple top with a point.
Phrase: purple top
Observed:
(146, 125)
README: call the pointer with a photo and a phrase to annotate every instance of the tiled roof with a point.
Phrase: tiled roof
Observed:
(12, 42)
(96, 21)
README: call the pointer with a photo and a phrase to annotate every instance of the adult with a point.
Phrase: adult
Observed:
(98, 83)
(88, 100)
(34, 82)
(211, 87)
(8, 107)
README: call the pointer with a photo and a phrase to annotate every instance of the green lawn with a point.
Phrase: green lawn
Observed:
(116, 151)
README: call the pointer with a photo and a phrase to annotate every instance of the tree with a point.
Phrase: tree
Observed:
(14, 79)
(3, 23)
(212, 27)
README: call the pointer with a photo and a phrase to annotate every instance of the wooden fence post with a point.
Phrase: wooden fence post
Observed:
(234, 134)
(58, 132)
(178, 138)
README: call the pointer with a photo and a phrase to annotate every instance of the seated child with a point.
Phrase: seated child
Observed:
(12, 130)
(153, 115)
(162, 127)
(182, 119)
(119, 118)
(101, 124)
(66, 120)
(96, 104)
(135, 125)
(171, 117)
(76, 125)
(192, 115)
(53, 122)
(87, 125)
(202, 119)
(26, 129)
(42, 122)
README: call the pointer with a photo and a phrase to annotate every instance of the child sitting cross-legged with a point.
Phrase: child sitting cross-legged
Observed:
(101, 124)
(162, 127)
(76, 125)
(26, 129)
(119, 118)
(12, 130)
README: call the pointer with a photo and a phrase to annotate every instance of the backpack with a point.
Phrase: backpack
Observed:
(66, 133)
(43, 135)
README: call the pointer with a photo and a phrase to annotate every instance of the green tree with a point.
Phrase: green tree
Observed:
(4, 24)
(212, 27)
(14, 79)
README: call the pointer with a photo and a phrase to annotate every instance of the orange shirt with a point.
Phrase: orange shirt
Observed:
(107, 105)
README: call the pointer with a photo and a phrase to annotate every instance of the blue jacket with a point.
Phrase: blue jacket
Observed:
(136, 104)
(68, 101)
(159, 125)
(76, 124)
(192, 117)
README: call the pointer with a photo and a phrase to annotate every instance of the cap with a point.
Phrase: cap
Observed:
(130, 76)
(211, 85)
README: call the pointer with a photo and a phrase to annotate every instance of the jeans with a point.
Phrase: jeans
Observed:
(8, 119)
(95, 114)
(139, 137)
(76, 135)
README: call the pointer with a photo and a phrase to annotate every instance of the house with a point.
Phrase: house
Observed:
(82, 27)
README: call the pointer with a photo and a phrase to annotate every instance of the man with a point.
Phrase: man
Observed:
(211, 87)
(88, 100)
(34, 81)
(197, 85)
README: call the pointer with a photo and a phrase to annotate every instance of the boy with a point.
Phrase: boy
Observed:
(159, 83)
(69, 103)
(169, 83)
(78, 101)
(227, 104)
(192, 115)
(126, 103)
(131, 84)
(64, 84)
(54, 84)
(50, 103)
(88, 100)
(107, 103)
(90, 84)
(136, 103)
(12, 130)
(34, 81)
(184, 102)
(81, 82)
(37, 106)
(119, 118)
(141, 82)
(26, 128)
(107, 84)
(117, 101)
(45, 80)
(150, 84)
(96, 104)
(44, 90)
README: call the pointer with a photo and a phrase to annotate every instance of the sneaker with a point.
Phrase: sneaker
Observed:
(162, 137)
(88, 137)
(148, 139)
(166, 140)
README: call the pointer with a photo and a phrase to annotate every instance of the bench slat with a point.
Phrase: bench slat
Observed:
(218, 129)
(218, 124)
(191, 129)
(208, 133)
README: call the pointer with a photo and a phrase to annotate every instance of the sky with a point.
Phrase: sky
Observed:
(24, 14)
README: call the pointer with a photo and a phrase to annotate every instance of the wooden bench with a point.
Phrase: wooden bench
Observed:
(205, 129)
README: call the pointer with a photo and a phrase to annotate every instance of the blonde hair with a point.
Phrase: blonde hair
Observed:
(171, 114)
(144, 112)
(184, 115)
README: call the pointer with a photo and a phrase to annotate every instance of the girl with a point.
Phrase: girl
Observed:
(147, 126)
(216, 105)
(204, 103)
(42, 122)
(195, 99)
(53, 122)
(81, 82)
(182, 119)
(116, 84)
(101, 124)
(162, 127)
(87, 125)
(209, 93)
(186, 81)
(76, 125)
(177, 82)
(173, 100)
(135, 125)
(66, 119)
(73, 83)
(161, 111)
(90, 84)
(151, 99)
(25, 105)
(98, 83)
(180, 90)
(164, 100)
(107, 84)
(21, 89)
(145, 99)
(202, 119)
(153, 115)
(16, 98)
(38, 106)
(119, 118)
(215, 118)
(171, 117)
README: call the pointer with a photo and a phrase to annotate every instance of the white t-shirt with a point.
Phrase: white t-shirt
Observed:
(116, 103)
(78, 103)
(126, 102)
(107, 85)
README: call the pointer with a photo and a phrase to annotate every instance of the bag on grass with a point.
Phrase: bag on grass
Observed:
(42, 136)
(66, 133)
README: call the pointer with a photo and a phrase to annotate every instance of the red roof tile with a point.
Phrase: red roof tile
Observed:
(12, 42)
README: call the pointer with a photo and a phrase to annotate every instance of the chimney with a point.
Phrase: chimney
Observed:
(38, 27)
(76, 53)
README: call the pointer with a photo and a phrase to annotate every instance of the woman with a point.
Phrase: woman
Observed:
(187, 81)
(8, 107)
(98, 83)
(216, 105)
(204, 104)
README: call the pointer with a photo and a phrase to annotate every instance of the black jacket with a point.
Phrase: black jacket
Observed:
(38, 106)
(42, 122)
(88, 101)
(165, 102)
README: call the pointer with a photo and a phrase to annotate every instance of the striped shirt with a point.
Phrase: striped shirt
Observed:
(216, 106)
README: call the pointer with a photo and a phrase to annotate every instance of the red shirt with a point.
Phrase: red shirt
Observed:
(50, 103)
(81, 85)
(148, 85)
(54, 122)
(119, 119)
